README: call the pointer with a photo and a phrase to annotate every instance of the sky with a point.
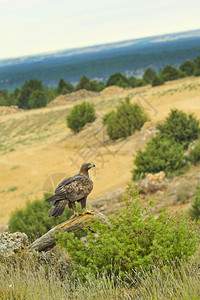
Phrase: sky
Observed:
(42, 26)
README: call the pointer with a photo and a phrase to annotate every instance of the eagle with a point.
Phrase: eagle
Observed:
(70, 190)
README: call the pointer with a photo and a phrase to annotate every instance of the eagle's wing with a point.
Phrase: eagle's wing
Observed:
(74, 188)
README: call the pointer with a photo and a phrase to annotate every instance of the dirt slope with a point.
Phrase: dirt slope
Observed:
(37, 150)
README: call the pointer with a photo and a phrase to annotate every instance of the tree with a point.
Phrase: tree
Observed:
(97, 86)
(118, 79)
(33, 84)
(84, 83)
(37, 99)
(157, 80)
(26, 91)
(197, 66)
(23, 99)
(187, 67)
(149, 75)
(132, 81)
(169, 73)
(80, 115)
(64, 87)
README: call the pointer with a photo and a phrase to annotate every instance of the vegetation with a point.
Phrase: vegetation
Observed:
(80, 115)
(194, 155)
(194, 211)
(160, 154)
(132, 242)
(165, 151)
(22, 97)
(169, 73)
(181, 127)
(149, 75)
(34, 220)
(24, 278)
(125, 121)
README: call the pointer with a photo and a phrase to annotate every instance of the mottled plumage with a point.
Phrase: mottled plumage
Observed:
(70, 190)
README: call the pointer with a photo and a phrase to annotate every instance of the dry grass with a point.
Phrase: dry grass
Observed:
(22, 281)
(36, 145)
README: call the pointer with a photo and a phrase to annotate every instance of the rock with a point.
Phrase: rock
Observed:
(11, 243)
(6, 110)
(152, 183)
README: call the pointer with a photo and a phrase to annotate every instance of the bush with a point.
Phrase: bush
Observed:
(80, 115)
(194, 211)
(194, 155)
(125, 121)
(34, 220)
(132, 241)
(160, 154)
(181, 127)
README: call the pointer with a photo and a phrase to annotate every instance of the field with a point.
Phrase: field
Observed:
(37, 149)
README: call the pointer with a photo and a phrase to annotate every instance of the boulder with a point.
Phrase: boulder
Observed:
(11, 243)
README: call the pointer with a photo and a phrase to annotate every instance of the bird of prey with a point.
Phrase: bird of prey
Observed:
(70, 190)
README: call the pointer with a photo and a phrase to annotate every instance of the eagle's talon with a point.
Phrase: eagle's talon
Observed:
(88, 212)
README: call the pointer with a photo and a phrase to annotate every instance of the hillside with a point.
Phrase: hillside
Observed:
(37, 149)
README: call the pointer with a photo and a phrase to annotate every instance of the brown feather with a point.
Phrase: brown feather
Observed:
(72, 189)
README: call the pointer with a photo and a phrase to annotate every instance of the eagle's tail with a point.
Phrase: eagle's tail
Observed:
(58, 208)
(53, 198)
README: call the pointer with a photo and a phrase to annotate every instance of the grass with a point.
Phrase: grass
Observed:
(31, 129)
(12, 188)
(26, 279)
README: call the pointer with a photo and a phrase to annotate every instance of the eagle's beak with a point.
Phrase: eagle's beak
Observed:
(92, 165)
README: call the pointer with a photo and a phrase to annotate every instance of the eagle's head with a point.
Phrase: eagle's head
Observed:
(85, 167)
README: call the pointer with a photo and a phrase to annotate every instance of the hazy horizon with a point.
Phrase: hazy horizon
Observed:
(45, 26)
(96, 45)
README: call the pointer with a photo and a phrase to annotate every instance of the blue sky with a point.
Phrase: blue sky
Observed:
(40, 26)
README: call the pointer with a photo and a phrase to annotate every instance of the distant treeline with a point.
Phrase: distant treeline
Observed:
(34, 94)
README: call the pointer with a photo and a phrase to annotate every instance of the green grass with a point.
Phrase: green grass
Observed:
(12, 188)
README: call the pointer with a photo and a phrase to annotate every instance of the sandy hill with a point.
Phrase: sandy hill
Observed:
(37, 149)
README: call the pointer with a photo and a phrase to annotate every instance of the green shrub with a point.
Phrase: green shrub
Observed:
(34, 220)
(80, 115)
(181, 127)
(194, 211)
(125, 121)
(194, 155)
(160, 154)
(132, 241)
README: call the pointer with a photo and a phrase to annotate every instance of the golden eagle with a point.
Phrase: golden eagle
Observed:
(70, 190)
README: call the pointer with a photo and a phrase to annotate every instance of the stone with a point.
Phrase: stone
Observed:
(11, 243)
